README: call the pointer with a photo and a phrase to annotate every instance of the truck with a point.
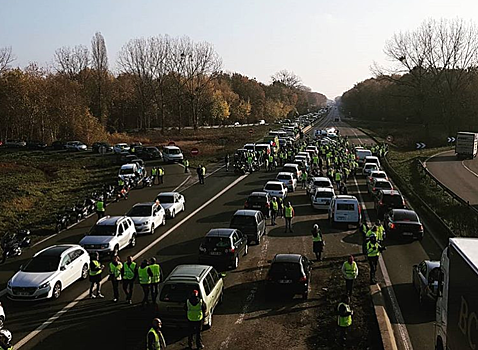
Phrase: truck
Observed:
(456, 326)
(466, 145)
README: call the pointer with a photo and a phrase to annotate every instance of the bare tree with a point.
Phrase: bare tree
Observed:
(6, 57)
(99, 65)
(289, 79)
(71, 61)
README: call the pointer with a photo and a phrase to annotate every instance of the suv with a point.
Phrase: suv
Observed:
(379, 184)
(322, 197)
(288, 180)
(259, 201)
(172, 154)
(386, 200)
(223, 245)
(147, 216)
(178, 287)
(251, 223)
(276, 189)
(109, 235)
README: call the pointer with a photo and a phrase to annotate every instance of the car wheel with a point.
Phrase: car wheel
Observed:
(116, 250)
(132, 242)
(246, 249)
(164, 220)
(235, 264)
(84, 272)
(151, 230)
(184, 207)
(56, 290)
(173, 214)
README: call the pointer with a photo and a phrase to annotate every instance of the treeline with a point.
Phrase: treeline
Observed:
(433, 81)
(160, 82)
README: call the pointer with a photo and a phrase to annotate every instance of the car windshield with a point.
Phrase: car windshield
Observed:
(370, 166)
(379, 176)
(405, 216)
(177, 292)
(217, 242)
(273, 187)
(393, 200)
(290, 170)
(166, 199)
(103, 230)
(283, 177)
(322, 183)
(140, 210)
(174, 151)
(384, 185)
(324, 194)
(151, 149)
(242, 220)
(126, 171)
(288, 269)
(257, 199)
(42, 263)
(346, 206)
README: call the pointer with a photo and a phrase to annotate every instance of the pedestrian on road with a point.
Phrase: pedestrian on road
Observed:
(186, 165)
(289, 214)
(95, 276)
(145, 275)
(226, 162)
(129, 275)
(154, 174)
(115, 276)
(350, 272)
(156, 278)
(203, 173)
(317, 242)
(280, 212)
(274, 210)
(344, 319)
(303, 178)
(155, 339)
(373, 252)
(195, 309)
(100, 208)
(161, 175)
(380, 232)
(199, 172)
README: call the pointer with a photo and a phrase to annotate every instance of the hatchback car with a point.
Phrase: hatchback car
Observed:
(425, 278)
(49, 272)
(172, 202)
(379, 184)
(276, 189)
(322, 197)
(259, 201)
(404, 223)
(289, 273)
(147, 217)
(223, 246)
(368, 168)
(386, 200)
(378, 174)
(316, 182)
(251, 223)
(172, 154)
(288, 180)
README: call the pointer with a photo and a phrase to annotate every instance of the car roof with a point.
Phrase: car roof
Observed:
(285, 173)
(291, 164)
(145, 204)
(188, 272)
(259, 194)
(370, 164)
(404, 211)
(167, 193)
(220, 232)
(245, 212)
(371, 157)
(291, 258)
(56, 250)
(377, 172)
(273, 183)
(121, 144)
(171, 147)
(391, 192)
(344, 197)
(324, 189)
(320, 178)
(377, 180)
(129, 165)
(109, 220)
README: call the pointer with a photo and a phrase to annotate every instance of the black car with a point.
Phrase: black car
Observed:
(404, 223)
(385, 200)
(259, 201)
(223, 246)
(97, 145)
(36, 145)
(250, 222)
(57, 145)
(289, 273)
(150, 152)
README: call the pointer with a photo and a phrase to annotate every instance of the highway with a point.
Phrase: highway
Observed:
(248, 318)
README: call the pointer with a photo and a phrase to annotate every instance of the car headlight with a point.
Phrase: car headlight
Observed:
(104, 246)
(45, 285)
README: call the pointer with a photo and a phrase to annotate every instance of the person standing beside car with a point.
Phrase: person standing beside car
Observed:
(318, 242)
(274, 210)
(195, 309)
(156, 278)
(155, 339)
(129, 275)
(145, 275)
(95, 276)
(115, 276)
(100, 208)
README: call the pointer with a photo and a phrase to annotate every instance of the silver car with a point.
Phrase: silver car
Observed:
(425, 280)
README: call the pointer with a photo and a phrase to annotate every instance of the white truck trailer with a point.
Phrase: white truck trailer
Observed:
(466, 145)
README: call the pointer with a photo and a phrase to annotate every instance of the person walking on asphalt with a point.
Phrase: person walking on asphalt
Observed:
(161, 175)
(274, 210)
(154, 174)
(100, 208)
(186, 165)
(199, 172)
(145, 275)
(95, 276)
(129, 275)
(156, 278)
(203, 173)
(344, 318)
(317, 242)
(155, 339)
(115, 276)
(195, 309)
(226, 162)
(350, 272)
(373, 252)
(289, 214)
(280, 212)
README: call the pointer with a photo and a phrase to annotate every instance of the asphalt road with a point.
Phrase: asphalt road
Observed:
(248, 318)
(460, 176)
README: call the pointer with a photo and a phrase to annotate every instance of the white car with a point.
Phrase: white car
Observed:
(276, 189)
(306, 155)
(345, 209)
(2, 316)
(316, 182)
(109, 235)
(147, 217)
(322, 197)
(172, 154)
(128, 171)
(288, 179)
(75, 146)
(121, 147)
(368, 168)
(49, 272)
(379, 174)
(312, 149)
(172, 202)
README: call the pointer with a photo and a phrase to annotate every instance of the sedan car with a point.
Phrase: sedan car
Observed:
(223, 246)
(316, 182)
(288, 180)
(425, 280)
(379, 184)
(49, 272)
(98, 147)
(386, 200)
(404, 223)
(379, 174)
(121, 147)
(147, 217)
(36, 145)
(289, 273)
(276, 189)
(368, 168)
(322, 197)
(172, 202)
(76, 146)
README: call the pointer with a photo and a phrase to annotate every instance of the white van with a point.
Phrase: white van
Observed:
(372, 159)
(292, 168)
(260, 147)
(250, 147)
(360, 155)
(172, 154)
(345, 209)
(128, 171)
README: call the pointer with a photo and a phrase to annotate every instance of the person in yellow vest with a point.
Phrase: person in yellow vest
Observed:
(350, 272)
(338, 179)
(186, 165)
(154, 174)
(317, 242)
(100, 208)
(288, 214)
(344, 318)
(380, 232)
(156, 278)
(129, 272)
(145, 275)
(115, 276)
(373, 252)
(195, 309)
(161, 175)
(95, 276)
(155, 339)
(203, 173)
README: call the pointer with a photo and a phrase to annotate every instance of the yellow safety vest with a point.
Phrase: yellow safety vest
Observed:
(317, 239)
(350, 270)
(338, 176)
(100, 206)
(115, 270)
(156, 344)
(98, 266)
(275, 205)
(372, 249)
(380, 230)
(129, 270)
(144, 277)
(344, 321)
(203, 171)
(156, 270)
(195, 311)
(288, 211)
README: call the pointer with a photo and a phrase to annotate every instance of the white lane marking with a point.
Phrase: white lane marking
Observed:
(433, 156)
(197, 181)
(182, 183)
(52, 319)
(471, 171)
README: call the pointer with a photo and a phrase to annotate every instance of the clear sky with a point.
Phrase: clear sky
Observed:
(329, 44)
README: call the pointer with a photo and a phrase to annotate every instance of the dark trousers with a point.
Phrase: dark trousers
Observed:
(288, 224)
(343, 334)
(349, 286)
(201, 179)
(195, 329)
(273, 217)
(154, 291)
(154, 177)
(373, 260)
(161, 179)
(100, 214)
(115, 284)
(186, 169)
(98, 288)
(128, 286)
(146, 288)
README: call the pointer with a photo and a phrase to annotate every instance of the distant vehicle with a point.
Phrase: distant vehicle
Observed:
(360, 154)
(316, 182)
(380, 184)
(290, 274)
(262, 122)
(288, 179)
(150, 152)
(344, 209)
(251, 223)
(292, 168)
(36, 145)
(121, 147)
(466, 145)
(179, 286)
(49, 272)
(129, 171)
(14, 144)
(322, 197)
(76, 146)
(368, 168)
(101, 145)
(172, 202)
(425, 278)
(250, 147)
(386, 200)
(312, 148)
(403, 223)
(260, 147)
(237, 124)
(259, 201)
(58, 145)
(372, 159)
(457, 302)
(147, 217)
(275, 189)
(110, 235)
(377, 174)
(172, 154)
(223, 246)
